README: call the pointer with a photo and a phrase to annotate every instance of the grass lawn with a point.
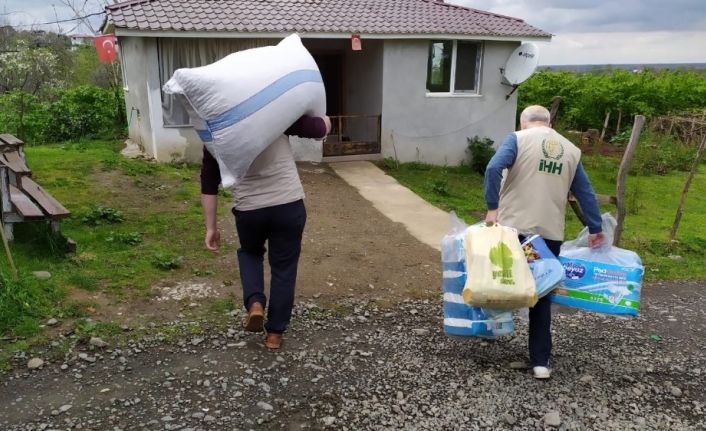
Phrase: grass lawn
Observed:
(135, 222)
(651, 203)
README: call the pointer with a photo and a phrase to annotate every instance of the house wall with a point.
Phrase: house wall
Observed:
(143, 92)
(434, 129)
(170, 143)
(133, 57)
(386, 77)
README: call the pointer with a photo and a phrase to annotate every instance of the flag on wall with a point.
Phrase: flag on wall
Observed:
(356, 44)
(105, 46)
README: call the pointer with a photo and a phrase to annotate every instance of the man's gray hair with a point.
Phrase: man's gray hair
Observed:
(535, 113)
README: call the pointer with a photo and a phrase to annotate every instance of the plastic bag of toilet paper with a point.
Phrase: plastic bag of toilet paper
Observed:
(240, 104)
(608, 224)
(459, 317)
(546, 268)
(607, 279)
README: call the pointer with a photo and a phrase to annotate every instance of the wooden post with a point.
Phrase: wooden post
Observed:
(694, 168)
(340, 132)
(556, 101)
(605, 125)
(691, 133)
(623, 173)
(620, 117)
(378, 135)
(577, 209)
(7, 249)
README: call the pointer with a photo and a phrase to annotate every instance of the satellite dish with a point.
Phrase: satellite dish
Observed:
(521, 64)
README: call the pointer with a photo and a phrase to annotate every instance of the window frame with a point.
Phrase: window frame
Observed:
(123, 69)
(452, 84)
(163, 80)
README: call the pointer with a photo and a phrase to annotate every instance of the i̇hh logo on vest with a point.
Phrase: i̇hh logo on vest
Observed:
(553, 152)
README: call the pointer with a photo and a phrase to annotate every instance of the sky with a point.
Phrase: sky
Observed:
(585, 31)
(29, 13)
(611, 31)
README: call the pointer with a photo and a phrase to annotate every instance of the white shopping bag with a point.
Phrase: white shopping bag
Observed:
(498, 274)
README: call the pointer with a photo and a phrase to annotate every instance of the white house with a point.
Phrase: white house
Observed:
(78, 40)
(426, 78)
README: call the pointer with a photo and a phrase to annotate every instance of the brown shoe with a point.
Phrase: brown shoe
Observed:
(256, 316)
(273, 341)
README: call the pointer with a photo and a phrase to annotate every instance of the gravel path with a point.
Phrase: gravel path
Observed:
(381, 369)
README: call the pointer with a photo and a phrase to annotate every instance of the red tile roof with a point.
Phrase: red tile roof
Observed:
(367, 17)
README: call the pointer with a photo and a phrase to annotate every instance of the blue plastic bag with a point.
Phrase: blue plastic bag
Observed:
(546, 268)
(459, 317)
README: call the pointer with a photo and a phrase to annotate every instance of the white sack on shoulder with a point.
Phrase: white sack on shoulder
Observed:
(243, 102)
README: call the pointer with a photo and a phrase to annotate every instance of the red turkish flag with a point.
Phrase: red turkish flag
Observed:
(105, 46)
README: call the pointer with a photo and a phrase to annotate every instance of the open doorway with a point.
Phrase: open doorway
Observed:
(331, 68)
(350, 134)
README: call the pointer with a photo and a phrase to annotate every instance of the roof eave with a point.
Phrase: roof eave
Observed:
(321, 35)
(107, 27)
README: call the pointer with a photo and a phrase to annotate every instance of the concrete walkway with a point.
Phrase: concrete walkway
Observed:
(424, 221)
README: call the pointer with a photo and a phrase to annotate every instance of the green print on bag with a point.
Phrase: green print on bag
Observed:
(501, 256)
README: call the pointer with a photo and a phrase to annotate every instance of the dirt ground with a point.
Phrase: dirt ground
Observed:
(366, 350)
(349, 250)
(381, 369)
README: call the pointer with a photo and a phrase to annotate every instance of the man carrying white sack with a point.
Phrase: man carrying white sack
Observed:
(268, 207)
(542, 167)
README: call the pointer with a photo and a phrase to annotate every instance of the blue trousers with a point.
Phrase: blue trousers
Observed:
(281, 226)
(540, 323)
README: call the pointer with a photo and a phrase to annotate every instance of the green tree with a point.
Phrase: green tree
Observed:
(27, 73)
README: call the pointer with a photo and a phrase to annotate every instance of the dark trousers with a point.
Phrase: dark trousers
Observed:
(540, 323)
(282, 227)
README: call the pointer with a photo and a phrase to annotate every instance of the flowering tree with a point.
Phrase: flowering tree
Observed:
(24, 74)
(28, 70)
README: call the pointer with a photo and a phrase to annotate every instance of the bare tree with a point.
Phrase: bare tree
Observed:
(83, 8)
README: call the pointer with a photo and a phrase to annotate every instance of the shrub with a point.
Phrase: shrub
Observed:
(440, 187)
(24, 116)
(81, 112)
(587, 96)
(85, 111)
(167, 261)
(100, 214)
(660, 154)
(129, 238)
(480, 151)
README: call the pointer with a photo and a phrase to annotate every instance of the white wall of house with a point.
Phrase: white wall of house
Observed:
(140, 61)
(387, 77)
(133, 56)
(433, 128)
(364, 79)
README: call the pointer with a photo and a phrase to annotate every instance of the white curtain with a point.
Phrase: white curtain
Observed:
(176, 53)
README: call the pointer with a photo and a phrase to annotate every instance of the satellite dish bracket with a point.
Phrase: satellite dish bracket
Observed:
(514, 88)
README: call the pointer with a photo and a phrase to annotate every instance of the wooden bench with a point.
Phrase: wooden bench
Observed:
(22, 198)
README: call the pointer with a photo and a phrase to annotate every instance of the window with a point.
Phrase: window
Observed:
(454, 67)
(175, 53)
(123, 70)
